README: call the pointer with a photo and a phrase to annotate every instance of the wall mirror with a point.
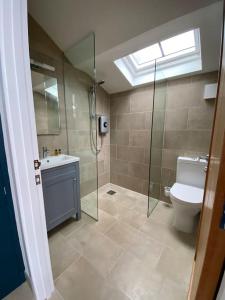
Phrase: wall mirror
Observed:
(46, 103)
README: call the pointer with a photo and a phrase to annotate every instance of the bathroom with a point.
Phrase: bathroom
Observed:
(123, 141)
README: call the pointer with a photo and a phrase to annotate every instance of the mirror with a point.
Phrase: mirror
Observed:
(46, 103)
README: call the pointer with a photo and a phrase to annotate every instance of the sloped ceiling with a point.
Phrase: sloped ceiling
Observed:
(119, 25)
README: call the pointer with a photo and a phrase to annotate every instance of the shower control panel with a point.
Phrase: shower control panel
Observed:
(103, 124)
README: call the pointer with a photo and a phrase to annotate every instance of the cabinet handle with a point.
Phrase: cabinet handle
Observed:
(74, 179)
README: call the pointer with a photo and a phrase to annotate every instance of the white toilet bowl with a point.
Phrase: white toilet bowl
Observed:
(187, 203)
(186, 194)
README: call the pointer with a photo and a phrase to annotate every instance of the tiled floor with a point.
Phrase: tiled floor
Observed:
(124, 256)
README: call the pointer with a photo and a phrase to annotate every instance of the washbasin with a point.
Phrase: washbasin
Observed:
(59, 160)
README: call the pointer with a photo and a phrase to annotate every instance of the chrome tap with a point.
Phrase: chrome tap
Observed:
(44, 152)
(206, 157)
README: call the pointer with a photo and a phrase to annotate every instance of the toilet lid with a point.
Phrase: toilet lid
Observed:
(187, 193)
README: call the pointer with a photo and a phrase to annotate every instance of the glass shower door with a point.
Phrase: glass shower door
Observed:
(79, 77)
(157, 139)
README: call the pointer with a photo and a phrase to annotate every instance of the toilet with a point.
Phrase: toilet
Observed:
(186, 194)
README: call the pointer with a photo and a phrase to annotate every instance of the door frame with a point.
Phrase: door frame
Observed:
(20, 137)
(208, 265)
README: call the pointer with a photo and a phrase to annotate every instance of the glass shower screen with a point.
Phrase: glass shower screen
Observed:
(79, 76)
(157, 139)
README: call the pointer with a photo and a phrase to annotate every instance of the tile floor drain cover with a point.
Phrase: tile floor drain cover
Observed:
(111, 192)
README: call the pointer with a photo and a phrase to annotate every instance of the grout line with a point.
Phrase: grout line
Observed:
(58, 277)
(57, 292)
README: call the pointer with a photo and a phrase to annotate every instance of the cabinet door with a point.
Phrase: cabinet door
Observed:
(11, 262)
(60, 190)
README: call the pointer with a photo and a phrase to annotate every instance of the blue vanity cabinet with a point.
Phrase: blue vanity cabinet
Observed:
(61, 191)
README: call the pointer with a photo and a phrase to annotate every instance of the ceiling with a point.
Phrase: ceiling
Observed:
(122, 27)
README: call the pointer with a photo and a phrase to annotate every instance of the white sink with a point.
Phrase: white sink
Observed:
(55, 161)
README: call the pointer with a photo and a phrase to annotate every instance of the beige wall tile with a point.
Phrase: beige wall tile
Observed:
(160, 95)
(103, 179)
(131, 121)
(113, 151)
(120, 103)
(101, 167)
(157, 138)
(176, 119)
(200, 118)
(148, 120)
(154, 190)
(138, 170)
(119, 166)
(156, 156)
(132, 154)
(181, 94)
(113, 122)
(185, 130)
(141, 100)
(120, 137)
(155, 174)
(158, 120)
(128, 182)
(145, 187)
(199, 140)
(176, 139)
(140, 138)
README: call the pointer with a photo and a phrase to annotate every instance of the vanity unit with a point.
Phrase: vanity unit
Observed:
(61, 189)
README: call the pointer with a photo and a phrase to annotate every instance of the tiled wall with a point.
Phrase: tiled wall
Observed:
(130, 138)
(187, 131)
(74, 112)
(188, 123)
(103, 108)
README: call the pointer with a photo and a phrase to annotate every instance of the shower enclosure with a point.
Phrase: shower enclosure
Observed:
(80, 97)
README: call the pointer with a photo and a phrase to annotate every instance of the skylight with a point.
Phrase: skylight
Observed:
(174, 56)
(147, 54)
(178, 43)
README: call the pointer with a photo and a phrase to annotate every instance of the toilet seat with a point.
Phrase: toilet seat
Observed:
(186, 194)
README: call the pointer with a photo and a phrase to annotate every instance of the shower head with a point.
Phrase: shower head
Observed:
(100, 82)
(96, 84)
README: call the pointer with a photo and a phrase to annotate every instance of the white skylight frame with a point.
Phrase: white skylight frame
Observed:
(169, 45)
(184, 61)
(141, 55)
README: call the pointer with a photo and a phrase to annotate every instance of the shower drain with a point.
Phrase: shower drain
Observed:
(111, 192)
